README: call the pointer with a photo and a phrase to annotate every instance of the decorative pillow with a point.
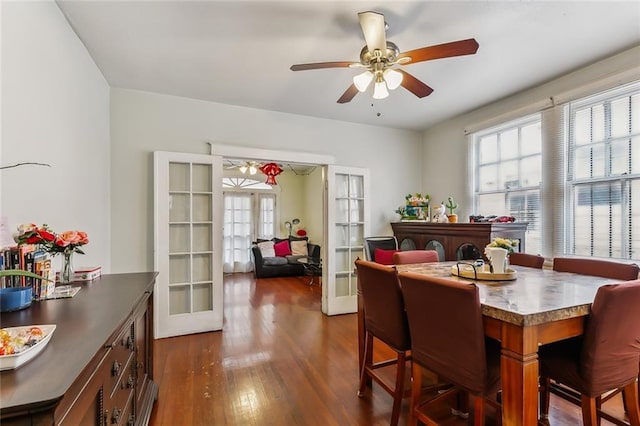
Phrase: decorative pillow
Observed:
(282, 248)
(266, 249)
(384, 257)
(299, 248)
(274, 261)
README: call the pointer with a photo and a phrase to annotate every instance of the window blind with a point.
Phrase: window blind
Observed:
(603, 174)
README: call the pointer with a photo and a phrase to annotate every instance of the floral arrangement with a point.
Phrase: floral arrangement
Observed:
(401, 210)
(66, 242)
(504, 243)
(417, 199)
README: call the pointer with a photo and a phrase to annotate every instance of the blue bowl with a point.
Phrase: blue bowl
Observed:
(15, 298)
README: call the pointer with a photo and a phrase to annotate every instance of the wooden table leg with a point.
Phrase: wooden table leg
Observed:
(519, 370)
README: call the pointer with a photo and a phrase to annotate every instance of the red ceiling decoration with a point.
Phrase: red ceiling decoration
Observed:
(271, 170)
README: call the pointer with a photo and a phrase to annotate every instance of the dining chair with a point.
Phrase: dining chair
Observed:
(386, 320)
(415, 256)
(524, 259)
(605, 358)
(447, 337)
(385, 245)
(597, 267)
(600, 268)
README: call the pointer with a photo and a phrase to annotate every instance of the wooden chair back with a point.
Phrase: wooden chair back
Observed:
(384, 311)
(450, 345)
(415, 256)
(597, 267)
(525, 259)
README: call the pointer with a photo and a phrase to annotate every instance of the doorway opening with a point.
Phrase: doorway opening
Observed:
(299, 192)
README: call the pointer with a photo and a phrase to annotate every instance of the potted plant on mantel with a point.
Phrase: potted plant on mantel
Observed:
(451, 206)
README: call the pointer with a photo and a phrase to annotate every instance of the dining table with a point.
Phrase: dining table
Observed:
(530, 308)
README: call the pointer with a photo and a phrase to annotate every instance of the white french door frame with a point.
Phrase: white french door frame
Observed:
(347, 223)
(188, 216)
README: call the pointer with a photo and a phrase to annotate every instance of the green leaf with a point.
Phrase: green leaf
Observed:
(22, 273)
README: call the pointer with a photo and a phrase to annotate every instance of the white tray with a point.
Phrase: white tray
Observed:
(482, 273)
(8, 362)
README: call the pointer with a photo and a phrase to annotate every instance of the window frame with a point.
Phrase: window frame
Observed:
(573, 184)
(475, 139)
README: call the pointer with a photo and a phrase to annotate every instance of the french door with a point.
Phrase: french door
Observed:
(347, 201)
(188, 248)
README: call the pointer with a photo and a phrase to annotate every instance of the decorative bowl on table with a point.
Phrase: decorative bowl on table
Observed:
(482, 272)
(21, 344)
(15, 298)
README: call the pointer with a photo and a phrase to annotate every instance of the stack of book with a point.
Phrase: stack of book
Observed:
(28, 258)
(84, 273)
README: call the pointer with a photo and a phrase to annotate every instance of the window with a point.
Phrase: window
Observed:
(603, 175)
(508, 174)
(249, 213)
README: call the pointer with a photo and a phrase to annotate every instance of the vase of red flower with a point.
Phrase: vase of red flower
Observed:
(65, 243)
(66, 272)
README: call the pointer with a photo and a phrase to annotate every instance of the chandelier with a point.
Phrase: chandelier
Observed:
(249, 166)
(385, 80)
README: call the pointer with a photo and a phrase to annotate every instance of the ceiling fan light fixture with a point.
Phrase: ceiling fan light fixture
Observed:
(252, 170)
(393, 78)
(380, 89)
(243, 169)
(362, 81)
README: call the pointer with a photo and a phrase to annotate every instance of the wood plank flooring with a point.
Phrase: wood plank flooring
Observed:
(278, 361)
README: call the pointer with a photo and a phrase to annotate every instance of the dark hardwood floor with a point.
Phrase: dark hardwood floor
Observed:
(278, 361)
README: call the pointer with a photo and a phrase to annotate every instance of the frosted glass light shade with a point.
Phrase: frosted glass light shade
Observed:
(380, 90)
(252, 170)
(243, 169)
(393, 78)
(363, 80)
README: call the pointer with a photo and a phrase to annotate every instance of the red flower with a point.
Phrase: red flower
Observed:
(46, 235)
(66, 242)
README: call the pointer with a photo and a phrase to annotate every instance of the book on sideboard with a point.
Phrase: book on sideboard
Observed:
(85, 273)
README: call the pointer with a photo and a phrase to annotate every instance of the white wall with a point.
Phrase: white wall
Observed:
(291, 199)
(313, 202)
(55, 110)
(145, 122)
(445, 153)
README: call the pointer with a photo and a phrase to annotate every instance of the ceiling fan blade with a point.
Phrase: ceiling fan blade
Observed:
(319, 65)
(349, 94)
(446, 50)
(414, 85)
(373, 29)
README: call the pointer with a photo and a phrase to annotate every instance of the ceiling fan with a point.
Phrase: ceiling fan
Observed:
(380, 56)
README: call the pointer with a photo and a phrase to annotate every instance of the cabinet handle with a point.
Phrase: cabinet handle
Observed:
(115, 370)
(115, 417)
(132, 420)
(129, 342)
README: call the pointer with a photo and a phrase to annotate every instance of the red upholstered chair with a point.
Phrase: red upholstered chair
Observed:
(605, 358)
(453, 347)
(598, 268)
(524, 259)
(415, 256)
(385, 319)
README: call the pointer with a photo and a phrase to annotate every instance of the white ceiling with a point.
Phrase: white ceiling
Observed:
(239, 52)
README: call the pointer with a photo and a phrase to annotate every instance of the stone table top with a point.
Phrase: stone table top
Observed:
(536, 296)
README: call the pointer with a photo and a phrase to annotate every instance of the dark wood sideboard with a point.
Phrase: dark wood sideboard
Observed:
(456, 241)
(97, 369)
